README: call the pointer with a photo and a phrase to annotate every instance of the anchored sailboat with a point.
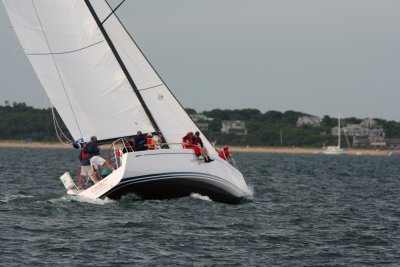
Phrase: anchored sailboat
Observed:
(101, 84)
(335, 150)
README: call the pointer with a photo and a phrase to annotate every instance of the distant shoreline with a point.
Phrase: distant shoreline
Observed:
(255, 149)
(22, 144)
(304, 150)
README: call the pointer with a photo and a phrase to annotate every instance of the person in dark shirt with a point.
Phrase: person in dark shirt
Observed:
(92, 149)
(86, 169)
(140, 142)
(197, 141)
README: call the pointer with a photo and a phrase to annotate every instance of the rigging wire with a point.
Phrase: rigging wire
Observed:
(115, 9)
(58, 129)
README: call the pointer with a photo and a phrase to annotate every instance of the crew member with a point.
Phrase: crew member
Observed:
(225, 154)
(187, 142)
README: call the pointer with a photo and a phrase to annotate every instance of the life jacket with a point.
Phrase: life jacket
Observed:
(150, 145)
(224, 154)
(84, 155)
(91, 149)
(187, 141)
(84, 158)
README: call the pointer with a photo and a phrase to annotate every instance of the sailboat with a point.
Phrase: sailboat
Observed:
(335, 150)
(101, 84)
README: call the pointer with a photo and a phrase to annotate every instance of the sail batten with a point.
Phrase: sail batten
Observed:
(151, 87)
(64, 52)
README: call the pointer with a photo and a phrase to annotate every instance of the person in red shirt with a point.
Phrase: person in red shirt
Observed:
(187, 142)
(224, 153)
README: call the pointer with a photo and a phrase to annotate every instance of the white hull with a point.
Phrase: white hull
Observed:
(334, 150)
(170, 173)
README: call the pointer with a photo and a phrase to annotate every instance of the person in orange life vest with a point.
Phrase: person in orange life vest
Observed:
(86, 169)
(151, 143)
(224, 154)
(197, 141)
(187, 142)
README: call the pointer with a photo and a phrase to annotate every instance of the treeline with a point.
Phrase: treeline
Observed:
(19, 121)
(272, 128)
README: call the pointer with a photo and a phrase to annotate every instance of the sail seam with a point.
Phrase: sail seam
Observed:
(144, 89)
(55, 65)
(66, 52)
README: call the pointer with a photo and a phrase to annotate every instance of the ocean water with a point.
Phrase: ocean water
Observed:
(307, 210)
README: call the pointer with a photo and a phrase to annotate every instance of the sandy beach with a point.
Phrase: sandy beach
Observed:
(303, 150)
(21, 144)
(277, 150)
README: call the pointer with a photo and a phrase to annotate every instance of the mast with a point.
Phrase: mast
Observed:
(339, 131)
(121, 63)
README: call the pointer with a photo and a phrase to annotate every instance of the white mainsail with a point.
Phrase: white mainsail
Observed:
(83, 78)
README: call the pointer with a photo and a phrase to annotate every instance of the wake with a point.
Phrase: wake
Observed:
(81, 199)
(11, 198)
(198, 196)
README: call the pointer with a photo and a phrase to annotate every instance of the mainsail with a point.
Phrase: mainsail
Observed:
(88, 76)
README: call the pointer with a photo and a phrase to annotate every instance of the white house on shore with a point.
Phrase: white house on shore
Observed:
(199, 117)
(309, 120)
(201, 121)
(367, 127)
(234, 127)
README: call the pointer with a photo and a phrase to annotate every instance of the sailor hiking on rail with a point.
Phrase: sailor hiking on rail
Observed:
(191, 142)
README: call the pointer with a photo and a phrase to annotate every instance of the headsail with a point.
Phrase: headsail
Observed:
(171, 118)
(83, 78)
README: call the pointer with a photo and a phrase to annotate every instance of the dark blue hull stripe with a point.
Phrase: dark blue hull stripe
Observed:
(173, 175)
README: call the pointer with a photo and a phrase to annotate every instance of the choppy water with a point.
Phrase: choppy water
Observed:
(308, 210)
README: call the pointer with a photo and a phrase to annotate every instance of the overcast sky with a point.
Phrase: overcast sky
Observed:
(321, 57)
